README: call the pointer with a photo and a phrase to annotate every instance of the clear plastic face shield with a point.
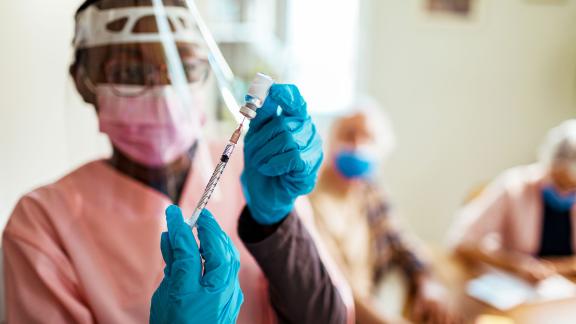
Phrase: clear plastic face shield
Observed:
(143, 64)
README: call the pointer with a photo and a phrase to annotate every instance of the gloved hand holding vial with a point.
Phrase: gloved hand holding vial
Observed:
(282, 155)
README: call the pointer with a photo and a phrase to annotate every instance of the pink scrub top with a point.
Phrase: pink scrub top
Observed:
(507, 214)
(86, 248)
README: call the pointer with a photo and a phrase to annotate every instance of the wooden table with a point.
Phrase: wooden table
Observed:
(456, 275)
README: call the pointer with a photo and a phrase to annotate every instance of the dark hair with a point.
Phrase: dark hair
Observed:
(85, 5)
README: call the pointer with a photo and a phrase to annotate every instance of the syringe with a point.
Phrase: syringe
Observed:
(257, 93)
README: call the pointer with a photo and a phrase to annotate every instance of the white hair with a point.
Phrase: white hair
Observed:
(379, 122)
(560, 144)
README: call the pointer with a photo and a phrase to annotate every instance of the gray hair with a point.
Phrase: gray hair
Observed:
(560, 144)
(379, 121)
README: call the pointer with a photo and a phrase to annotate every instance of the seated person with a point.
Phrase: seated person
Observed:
(524, 222)
(85, 248)
(354, 219)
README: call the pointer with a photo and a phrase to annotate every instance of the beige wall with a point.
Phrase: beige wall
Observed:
(44, 129)
(468, 98)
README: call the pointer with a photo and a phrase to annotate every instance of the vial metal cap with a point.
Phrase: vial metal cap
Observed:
(257, 93)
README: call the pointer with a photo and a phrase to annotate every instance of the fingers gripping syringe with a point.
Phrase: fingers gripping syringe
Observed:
(254, 99)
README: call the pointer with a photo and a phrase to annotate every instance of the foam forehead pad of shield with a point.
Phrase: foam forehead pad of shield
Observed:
(98, 27)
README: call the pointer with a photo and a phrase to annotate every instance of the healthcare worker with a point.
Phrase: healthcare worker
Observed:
(524, 222)
(85, 248)
(354, 218)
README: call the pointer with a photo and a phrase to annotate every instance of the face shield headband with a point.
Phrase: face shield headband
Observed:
(95, 27)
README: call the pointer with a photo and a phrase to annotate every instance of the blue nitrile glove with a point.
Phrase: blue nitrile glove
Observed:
(186, 294)
(282, 155)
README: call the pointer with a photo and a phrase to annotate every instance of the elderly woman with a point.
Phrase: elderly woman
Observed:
(353, 218)
(524, 221)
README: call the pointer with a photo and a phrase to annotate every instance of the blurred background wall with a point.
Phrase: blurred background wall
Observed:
(468, 96)
(35, 108)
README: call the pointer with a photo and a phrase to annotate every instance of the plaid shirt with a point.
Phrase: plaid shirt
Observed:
(365, 250)
(390, 247)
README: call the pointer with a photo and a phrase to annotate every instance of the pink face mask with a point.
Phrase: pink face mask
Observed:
(153, 128)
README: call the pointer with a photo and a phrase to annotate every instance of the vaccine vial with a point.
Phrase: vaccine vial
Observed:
(257, 93)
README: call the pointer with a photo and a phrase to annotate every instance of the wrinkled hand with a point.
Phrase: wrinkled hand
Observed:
(186, 294)
(565, 266)
(431, 304)
(282, 155)
(533, 269)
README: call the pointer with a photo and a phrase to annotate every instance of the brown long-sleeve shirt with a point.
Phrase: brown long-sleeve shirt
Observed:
(301, 290)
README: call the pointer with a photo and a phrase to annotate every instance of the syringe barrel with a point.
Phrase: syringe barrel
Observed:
(224, 158)
(228, 150)
(207, 193)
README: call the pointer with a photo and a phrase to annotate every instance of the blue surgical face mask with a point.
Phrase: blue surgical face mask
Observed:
(353, 164)
(556, 200)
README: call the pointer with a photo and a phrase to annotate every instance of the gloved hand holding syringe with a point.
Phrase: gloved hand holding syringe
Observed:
(257, 93)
